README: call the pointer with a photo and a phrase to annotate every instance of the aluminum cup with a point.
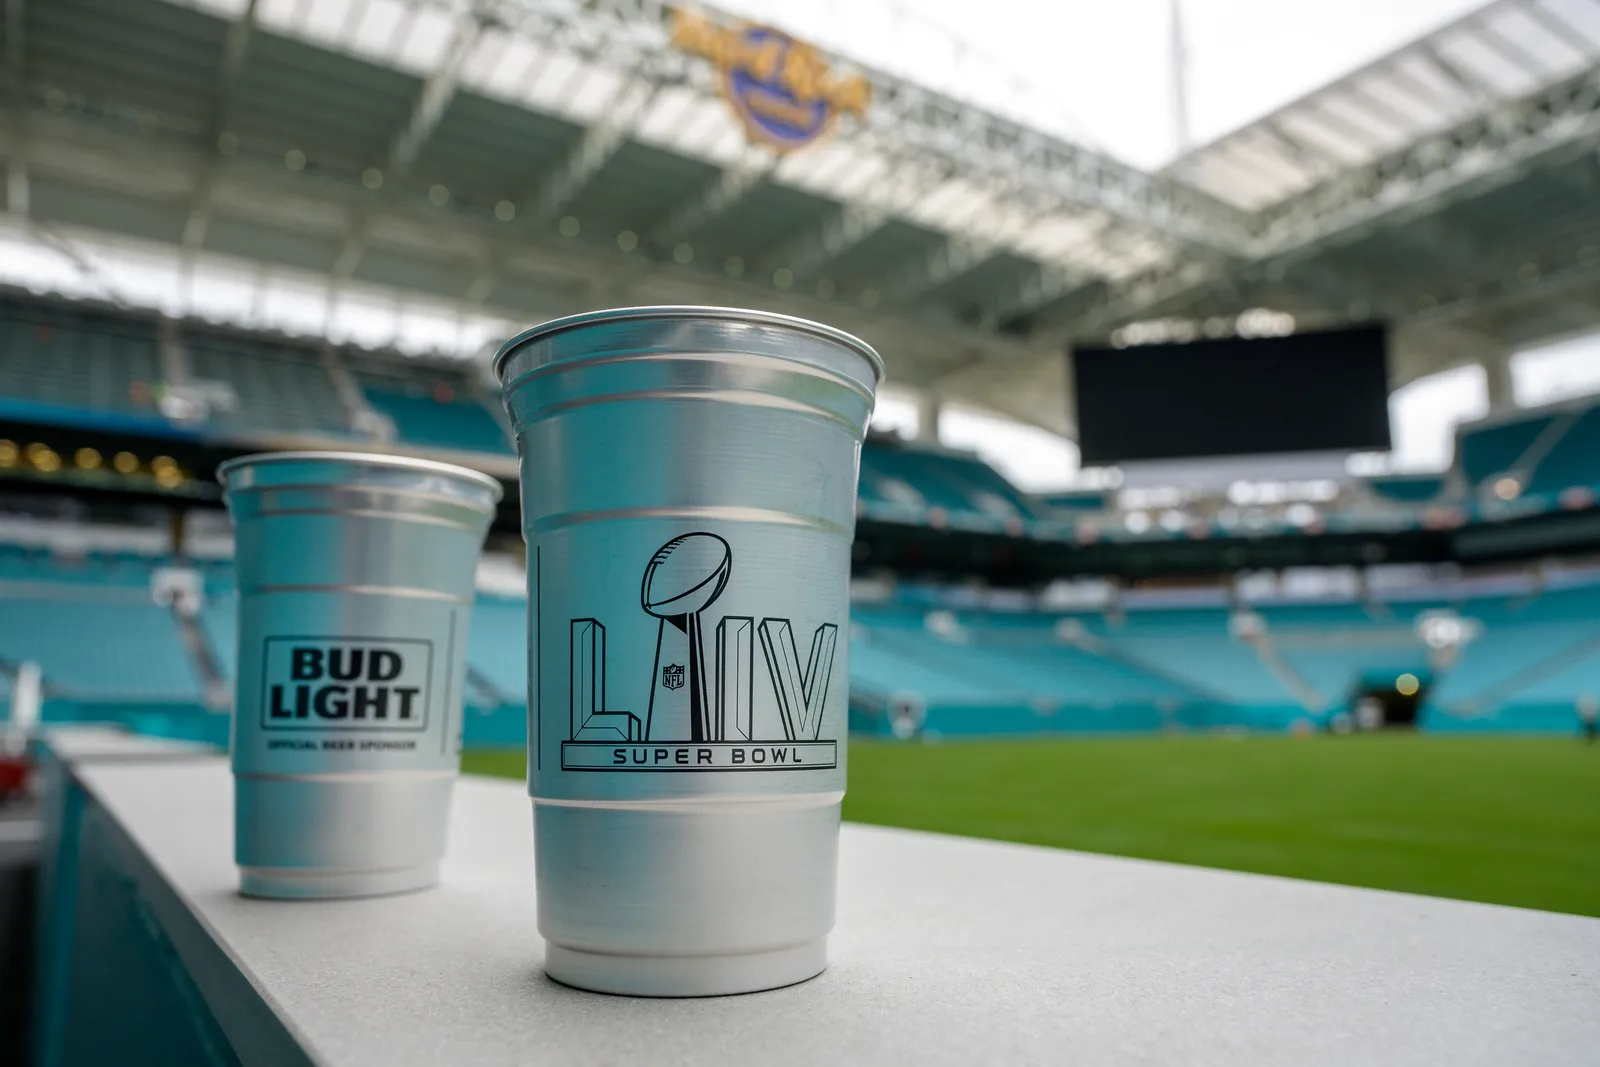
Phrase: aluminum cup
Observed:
(689, 484)
(355, 577)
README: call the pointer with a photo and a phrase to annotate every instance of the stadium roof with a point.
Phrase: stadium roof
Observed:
(488, 162)
(1491, 57)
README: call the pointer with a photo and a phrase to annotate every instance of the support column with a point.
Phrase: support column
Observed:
(1502, 391)
(928, 407)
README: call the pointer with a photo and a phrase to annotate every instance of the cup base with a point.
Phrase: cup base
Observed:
(300, 883)
(686, 976)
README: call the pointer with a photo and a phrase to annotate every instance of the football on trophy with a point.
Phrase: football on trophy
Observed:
(686, 574)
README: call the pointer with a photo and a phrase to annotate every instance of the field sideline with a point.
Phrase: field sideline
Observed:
(1508, 820)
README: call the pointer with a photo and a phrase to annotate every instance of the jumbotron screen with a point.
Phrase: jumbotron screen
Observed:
(1307, 392)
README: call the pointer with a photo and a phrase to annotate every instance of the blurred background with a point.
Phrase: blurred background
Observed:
(1232, 498)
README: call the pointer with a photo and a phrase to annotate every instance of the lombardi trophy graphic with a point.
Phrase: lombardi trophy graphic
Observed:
(700, 694)
(683, 578)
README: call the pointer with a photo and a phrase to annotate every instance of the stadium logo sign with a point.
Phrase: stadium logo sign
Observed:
(784, 92)
(336, 683)
(700, 715)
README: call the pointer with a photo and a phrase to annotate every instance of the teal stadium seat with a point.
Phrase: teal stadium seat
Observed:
(92, 646)
(462, 424)
(77, 358)
(1483, 452)
(1574, 460)
(280, 388)
(1407, 489)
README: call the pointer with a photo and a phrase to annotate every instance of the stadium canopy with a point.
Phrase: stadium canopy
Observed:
(470, 164)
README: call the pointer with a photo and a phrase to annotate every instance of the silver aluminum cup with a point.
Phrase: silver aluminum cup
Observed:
(356, 578)
(688, 494)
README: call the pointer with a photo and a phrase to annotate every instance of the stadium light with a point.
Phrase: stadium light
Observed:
(8, 453)
(86, 459)
(125, 462)
(43, 458)
(1407, 685)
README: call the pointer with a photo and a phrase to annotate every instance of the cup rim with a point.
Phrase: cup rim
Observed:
(364, 459)
(688, 311)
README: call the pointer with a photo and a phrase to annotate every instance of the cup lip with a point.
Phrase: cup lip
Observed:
(364, 459)
(688, 311)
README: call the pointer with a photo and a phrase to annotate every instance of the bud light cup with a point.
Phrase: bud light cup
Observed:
(356, 577)
(688, 493)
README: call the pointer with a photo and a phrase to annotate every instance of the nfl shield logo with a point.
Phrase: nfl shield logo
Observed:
(672, 676)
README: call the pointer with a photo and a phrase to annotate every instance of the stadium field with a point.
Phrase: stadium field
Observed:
(1504, 820)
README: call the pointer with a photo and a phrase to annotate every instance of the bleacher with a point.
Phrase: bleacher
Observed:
(89, 618)
(1407, 489)
(458, 424)
(93, 627)
(1574, 459)
(279, 388)
(56, 357)
(103, 643)
(938, 486)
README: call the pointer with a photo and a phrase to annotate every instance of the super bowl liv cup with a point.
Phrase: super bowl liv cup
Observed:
(688, 487)
(356, 577)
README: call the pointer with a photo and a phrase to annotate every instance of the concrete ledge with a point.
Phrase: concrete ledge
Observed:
(948, 951)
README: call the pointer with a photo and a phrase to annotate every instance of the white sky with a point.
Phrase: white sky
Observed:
(1100, 69)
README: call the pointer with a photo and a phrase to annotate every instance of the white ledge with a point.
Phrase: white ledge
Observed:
(947, 951)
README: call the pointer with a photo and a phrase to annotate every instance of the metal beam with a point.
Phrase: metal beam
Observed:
(734, 184)
(437, 92)
(234, 46)
(911, 181)
(1044, 286)
(1486, 150)
(953, 258)
(1562, 29)
(981, 146)
(620, 116)
(17, 188)
(1473, 86)
(1312, 158)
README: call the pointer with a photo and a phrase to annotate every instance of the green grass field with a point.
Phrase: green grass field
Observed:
(1509, 820)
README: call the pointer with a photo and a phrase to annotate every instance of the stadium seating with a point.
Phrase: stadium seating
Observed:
(1076, 502)
(1195, 646)
(90, 622)
(93, 645)
(1484, 451)
(915, 479)
(498, 646)
(279, 387)
(77, 358)
(462, 424)
(1574, 460)
(56, 356)
(1407, 489)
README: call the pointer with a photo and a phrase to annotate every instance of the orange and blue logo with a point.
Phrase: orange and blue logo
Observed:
(784, 92)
